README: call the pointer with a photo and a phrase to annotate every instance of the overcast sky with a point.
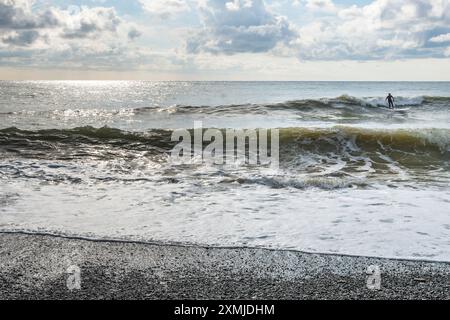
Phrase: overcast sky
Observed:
(225, 39)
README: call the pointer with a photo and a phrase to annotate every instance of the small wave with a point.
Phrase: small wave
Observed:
(356, 105)
(380, 101)
(72, 113)
(325, 183)
(365, 139)
(436, 99)
(87, 134)
(85, 143)
(350, 103)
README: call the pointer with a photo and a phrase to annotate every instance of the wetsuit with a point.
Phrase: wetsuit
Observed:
(390, 99)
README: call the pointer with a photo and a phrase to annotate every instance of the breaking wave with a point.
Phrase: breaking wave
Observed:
(361, 139)
(343, 101)
(365, 104)
(334, 158)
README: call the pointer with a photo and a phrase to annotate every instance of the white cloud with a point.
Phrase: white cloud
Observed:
(383, 29)
(165, 8)
(22, 38)
(90, 22)
(238, 4)
(441, 38)
(237, 27)
(324, 5)
(49, 35)
(447, 52)
(16, 14)
(233, 35)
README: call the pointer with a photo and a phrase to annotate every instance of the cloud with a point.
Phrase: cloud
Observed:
(94, 36)
(22, 38)
(165, 8)
(16, 14)
(134, 33)
(227, 33)
(320, 5)
(236, 5)
(238, 26)
(89, 22)
(441, 38)
(383, 29)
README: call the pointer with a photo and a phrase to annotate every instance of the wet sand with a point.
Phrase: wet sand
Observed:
(35, 267)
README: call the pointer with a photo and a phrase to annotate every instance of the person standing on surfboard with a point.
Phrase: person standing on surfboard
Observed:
(390, 100)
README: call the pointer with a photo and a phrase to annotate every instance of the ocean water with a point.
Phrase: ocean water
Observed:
(92, 159)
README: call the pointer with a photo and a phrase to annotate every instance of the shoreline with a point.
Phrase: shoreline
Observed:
(34, 266)
(215, 247)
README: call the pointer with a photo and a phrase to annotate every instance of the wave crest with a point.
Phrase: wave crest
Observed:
(348, 102)
(362, 138)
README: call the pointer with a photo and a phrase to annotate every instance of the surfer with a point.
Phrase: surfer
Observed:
(390, 99)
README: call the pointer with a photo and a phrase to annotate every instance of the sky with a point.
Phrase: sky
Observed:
(225, 39)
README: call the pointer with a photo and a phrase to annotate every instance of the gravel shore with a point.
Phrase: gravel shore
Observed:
(36, 267)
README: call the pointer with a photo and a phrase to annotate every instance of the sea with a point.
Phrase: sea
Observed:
(91, 159)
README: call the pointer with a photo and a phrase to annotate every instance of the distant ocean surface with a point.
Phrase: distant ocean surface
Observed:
(91, 159)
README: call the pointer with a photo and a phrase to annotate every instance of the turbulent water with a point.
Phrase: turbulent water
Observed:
(92, 159)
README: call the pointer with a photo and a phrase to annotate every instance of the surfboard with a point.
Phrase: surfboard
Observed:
(397, 109)
(400, 109)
